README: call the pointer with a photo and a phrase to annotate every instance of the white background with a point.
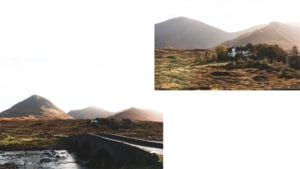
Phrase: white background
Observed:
(82, 53)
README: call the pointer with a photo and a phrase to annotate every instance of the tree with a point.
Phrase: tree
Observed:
(260, 51)
(294, 59)
(270, 52)
(221, 51)
(250, 47)
(238, 57)
(279, 54)
(295, 51)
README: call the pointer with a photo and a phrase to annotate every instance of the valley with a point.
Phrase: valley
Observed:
(35, 126)
(192, 55)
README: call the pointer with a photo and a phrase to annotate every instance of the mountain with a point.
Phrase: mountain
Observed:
(137, 114)
(183, 32)
(294, 24)
(284, 35)
(187, 33)
(89, 113)
(35, 107)
(249, 30)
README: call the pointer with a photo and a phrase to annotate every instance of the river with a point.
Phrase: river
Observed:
(46, 159)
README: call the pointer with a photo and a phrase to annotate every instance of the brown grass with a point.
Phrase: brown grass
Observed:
(40, 134)
(179, 70)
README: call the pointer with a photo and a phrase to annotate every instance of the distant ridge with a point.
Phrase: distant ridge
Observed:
(284, 35)
(90, 113)
(137, 114)
(186, 33)
(35, 107)
(182, 32)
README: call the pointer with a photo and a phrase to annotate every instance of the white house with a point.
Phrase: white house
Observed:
(232, 52)
(235, 50)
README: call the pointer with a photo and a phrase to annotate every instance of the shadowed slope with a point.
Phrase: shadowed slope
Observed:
(35, 107)
(183, 32)
(187, 33)
(281, 34)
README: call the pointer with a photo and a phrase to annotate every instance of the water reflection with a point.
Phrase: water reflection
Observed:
(46, 159)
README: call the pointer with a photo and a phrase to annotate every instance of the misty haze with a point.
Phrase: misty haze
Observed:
(37, 133)
(192, 55)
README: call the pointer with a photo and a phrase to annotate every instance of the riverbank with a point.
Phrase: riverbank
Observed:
(50, 159)
(51, 135)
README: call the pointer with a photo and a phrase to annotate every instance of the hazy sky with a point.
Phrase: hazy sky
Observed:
(80, 53)
(74, 53)
(101, 53)
(230, 15)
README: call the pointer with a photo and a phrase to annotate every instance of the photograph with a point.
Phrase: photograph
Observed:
(70, 98)
(256, 53)
(163, 84)
(35, 133)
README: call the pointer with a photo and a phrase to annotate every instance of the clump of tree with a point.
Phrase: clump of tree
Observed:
(270, 52)
(293, 60)
(108, 122)
(111, 123)
(222, 52)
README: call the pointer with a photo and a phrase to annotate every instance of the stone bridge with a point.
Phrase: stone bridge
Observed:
(113, 151)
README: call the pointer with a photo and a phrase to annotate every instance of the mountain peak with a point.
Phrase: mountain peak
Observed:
(182, 18)
(35, 97)
(90, 112)
(35, 106)
(138, 114)
(275, 33)
(275, 23)
(182, 32)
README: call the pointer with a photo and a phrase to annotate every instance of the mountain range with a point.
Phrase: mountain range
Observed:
(182, 32)
(38, 107)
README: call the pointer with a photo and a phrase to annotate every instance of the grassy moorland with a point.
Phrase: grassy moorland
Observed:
(177, 69)
(20, 134)
(32, 134)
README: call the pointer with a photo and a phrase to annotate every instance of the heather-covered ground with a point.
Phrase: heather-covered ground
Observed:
(20, 134)
(177, 69)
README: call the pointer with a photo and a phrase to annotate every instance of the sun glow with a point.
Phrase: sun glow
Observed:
(232, 15)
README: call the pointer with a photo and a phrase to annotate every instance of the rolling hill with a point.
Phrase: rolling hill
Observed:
(248, 30)
(185, 33)
(284, 35)
(35, 107)
(137, 114)
(89, 113)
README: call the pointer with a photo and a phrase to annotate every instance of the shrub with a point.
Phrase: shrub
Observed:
(172, 59)
(289, 73)
(221, 51)
(293, 61)
(109, 122)
(249, 63)
(126, 123)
